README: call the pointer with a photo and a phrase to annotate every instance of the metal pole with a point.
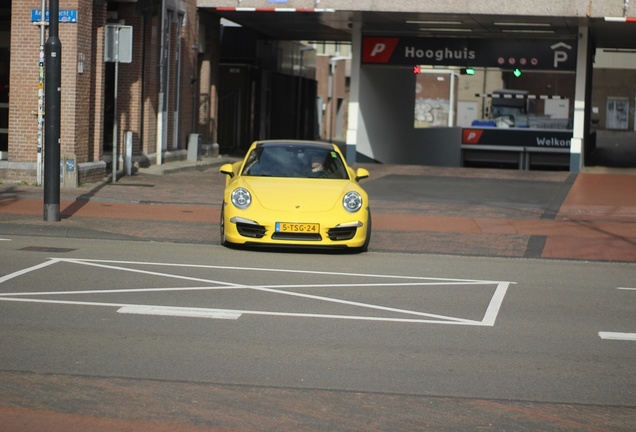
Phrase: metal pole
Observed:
(115, 121)
(160, 108)
(52, 88)
(42, 25)
(177, 87)
(451, 110)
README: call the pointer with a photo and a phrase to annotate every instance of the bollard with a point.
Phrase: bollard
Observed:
(128, 163)
(68, 171)
(194, 141)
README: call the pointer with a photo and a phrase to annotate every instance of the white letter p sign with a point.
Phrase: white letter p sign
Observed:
(378, 48)
(559, 57)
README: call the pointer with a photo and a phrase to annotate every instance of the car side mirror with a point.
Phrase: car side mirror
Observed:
(227, 169)
(361, 173)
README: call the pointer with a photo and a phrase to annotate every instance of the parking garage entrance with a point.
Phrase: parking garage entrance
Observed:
(510, 103)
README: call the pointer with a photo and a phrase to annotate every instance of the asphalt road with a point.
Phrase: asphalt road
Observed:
(404, 332)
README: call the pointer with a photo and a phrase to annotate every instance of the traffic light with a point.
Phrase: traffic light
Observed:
(467, 71)
(516, 72)
(417, 70)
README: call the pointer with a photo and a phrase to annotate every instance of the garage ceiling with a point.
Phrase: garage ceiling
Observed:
(336, 26)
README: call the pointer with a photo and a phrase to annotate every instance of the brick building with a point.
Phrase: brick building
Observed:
(176, 66)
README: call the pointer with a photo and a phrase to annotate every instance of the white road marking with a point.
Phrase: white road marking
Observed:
(495, 304)
(28, 270)
(215, 313)
(89, 263)
(180, 312)
(143, 309)
(618, 336)
(276, 270)
(212, 288)
(352, 303)
(111, 291)
(488, 319)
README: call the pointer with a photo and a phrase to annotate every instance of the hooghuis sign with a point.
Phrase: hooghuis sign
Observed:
(539, 138)
(537, 54)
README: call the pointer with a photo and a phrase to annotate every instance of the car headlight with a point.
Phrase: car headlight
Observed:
(241, 198)
(352, 202)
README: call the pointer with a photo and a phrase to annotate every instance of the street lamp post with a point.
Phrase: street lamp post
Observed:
(52, 88)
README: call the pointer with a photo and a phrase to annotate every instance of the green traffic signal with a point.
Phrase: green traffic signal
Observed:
(517, 72)
(468, 71)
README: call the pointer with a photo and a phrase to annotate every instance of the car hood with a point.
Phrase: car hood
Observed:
(296, 194)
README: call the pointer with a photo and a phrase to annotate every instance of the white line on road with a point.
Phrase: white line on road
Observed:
(257, 269)
(618, 336)
(181, 312)
(495, 304)
(212, 288)
(168, 275)
(113, 291)
(215, 313)
(28, 270)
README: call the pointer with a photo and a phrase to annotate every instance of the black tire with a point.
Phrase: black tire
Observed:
(365, 246)
(224, 241)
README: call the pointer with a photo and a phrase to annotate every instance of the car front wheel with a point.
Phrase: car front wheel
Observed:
(222, 227)
(365, 246)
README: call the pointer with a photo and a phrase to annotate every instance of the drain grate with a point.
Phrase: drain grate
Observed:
(47, 249)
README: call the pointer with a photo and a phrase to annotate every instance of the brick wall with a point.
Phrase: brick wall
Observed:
(208, 75)
(130, 89)
(23, 85)
(68, 34)
(96, 70)
(189, 65)
(83, 84)
(79, 90)
(150, 102)
(80, 59)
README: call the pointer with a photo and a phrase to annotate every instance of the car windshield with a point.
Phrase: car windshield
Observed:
(294, 161)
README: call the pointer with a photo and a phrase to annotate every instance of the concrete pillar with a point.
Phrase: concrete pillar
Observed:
(354, 91)
(580, 127)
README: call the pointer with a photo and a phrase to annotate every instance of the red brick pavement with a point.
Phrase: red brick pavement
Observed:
(59, 403)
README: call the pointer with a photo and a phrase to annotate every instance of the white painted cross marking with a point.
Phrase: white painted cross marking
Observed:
(411, 316)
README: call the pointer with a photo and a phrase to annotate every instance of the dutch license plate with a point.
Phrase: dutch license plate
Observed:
(290, 227)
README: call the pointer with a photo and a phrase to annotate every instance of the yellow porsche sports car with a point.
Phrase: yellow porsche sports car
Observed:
(295, 194)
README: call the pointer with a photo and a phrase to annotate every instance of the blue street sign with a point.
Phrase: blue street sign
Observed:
(65, 15)
(70, 165)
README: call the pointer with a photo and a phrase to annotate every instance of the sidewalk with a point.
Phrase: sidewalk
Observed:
(416, 209)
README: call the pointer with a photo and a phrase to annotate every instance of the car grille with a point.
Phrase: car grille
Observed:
(259, 231)
(342, 233)
(296, 236)
(249, 230)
